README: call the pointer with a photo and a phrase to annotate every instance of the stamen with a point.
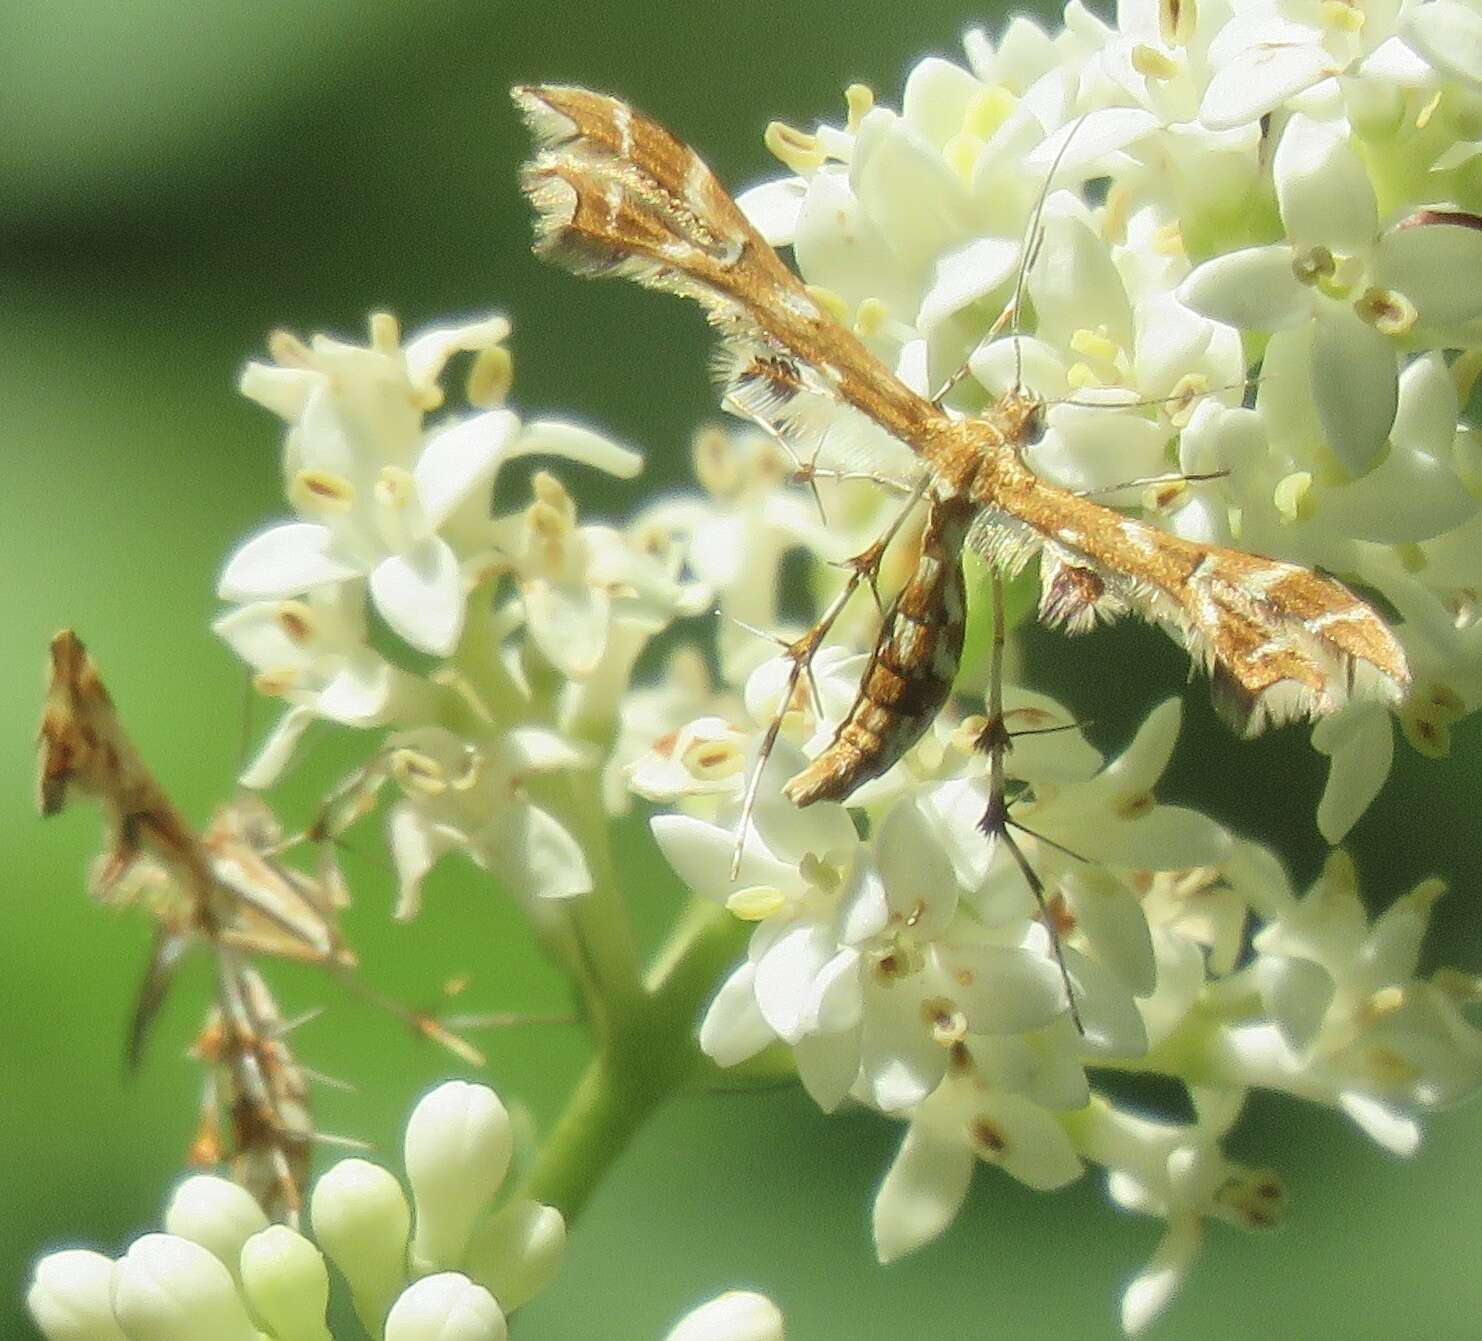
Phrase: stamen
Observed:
(795, 148)
(321, 491)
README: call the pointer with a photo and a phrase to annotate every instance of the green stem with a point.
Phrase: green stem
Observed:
(648, 1055)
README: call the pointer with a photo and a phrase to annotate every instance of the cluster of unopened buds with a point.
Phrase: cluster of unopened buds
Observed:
(1231, 247)
(450, 1266)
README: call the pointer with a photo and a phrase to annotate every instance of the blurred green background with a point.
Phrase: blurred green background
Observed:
(177, 179)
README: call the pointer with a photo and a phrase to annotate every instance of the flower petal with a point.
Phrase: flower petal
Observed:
(921, 1194)
(283, 561)
(1422, 263)
(1322, 187)
(734, 1028)
(420, 595)
(1253, 288)
(1449, 35)
(458, 460)
(1355, 383)
(772, 208)
(534, 853)
(556, 437)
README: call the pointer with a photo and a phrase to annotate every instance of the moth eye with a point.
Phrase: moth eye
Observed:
(1034, 425)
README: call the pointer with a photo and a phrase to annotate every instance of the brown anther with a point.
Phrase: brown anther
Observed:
(988, 1137)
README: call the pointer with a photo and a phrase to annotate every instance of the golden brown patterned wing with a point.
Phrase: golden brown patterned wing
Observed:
(617, 194)
(1280, 642)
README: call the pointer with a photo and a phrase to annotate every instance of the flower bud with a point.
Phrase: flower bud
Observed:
(285, 1281)
(361, 1221)
(218, 1214)
(166, 1288)
(515, 1253)
(446, 1307)
(458, 1146)
(71, 1297)
(737, 1315)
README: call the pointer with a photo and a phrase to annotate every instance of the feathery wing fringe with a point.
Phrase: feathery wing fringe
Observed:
(1279, 642)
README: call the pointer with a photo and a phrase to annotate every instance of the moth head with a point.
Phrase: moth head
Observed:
(1021, 417)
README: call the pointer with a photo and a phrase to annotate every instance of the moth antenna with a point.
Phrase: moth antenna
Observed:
(1033, 240)
(1050, 730)
(1048, 842)
(508, 1019)
(995, 739)
(340, 1142)
(1173, 398)
(328, 1081)
(1170, 477)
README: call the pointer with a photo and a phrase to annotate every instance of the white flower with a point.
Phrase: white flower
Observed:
(462, 796)
(375, 491)
(285, 1281)
(1358, 285)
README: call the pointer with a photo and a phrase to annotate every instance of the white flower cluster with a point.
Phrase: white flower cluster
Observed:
(904, 963)
(1283, 191)
(449, 1267)
(396, 523)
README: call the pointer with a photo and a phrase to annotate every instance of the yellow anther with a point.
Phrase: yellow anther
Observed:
(1427, 733)
(1177, 20)
(276, 682)
(967, 733)
(490, 377)
(987, 110)
(756, 903)
(1184, 398)
(1163, 497)
(961, 154)
(418, 772)
(321, 491)
(1079, 376)
(297, 620)
(1384, 1002)
(713, 759)
(859, 99)
(946, 1024)
(1152, 63)
(1134, 805)
(794, 148)
(1341, 15)
(395, 487)
(385, 333)
(1235, 517)
(987, 1138)
(1423, 117)
(1168, 240)
(870, 320)
(1387, 310)
(288, 351)
(1094, 345)
(1291, 496)
(830, 301)
(1312, 266)
(1445, 704)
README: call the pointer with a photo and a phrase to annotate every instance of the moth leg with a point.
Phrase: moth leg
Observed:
(864, 567)
(996, 740)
